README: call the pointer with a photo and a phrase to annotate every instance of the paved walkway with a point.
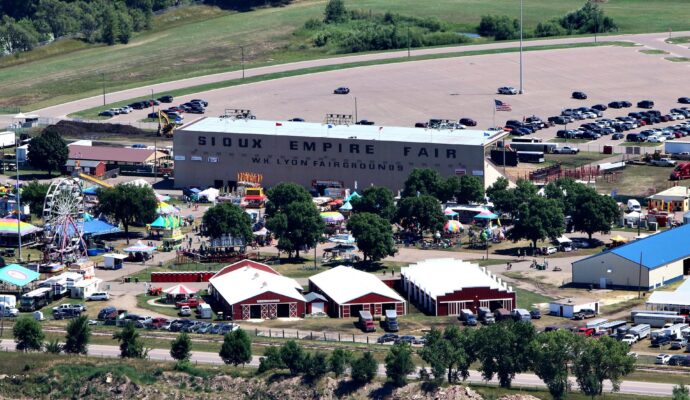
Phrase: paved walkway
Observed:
(652, 40)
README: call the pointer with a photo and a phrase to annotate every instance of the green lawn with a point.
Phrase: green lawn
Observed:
(678, 40)
(678, 59)
(574, 160)
(636, 181)
(653, 51)
(526, 299)
(641, 144)
(199, 40)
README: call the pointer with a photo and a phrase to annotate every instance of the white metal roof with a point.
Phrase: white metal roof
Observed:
(248, 282)
(446, 275)
(678, 297)
(363, 132)
(343, 284)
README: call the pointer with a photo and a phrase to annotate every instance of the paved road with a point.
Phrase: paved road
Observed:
(654, 40)
(530, 380)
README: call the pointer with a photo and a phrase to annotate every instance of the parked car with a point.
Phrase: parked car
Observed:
(678, 344)
(684, 100)
(387, 338)
(507, 90)
(566, 150)
(600, 107)
(166, 99)
(535, 314)
(342, 90)
(185, 311)
(579, 95)
(364, 122)
(296, 119)
(468, 121)
(107, 113)
(200, 101)
(617, 136)
(679, 359)
(663, 162)
(99, 296)
(662, 359)
(645, 104)
(405, 339)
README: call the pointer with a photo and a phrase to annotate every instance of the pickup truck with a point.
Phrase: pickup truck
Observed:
(663, 162)
(566, 150)
(629, 339)
(191, 302)
(587, 332)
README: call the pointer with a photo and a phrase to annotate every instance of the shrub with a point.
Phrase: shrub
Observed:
(545, 29)
(501, 27)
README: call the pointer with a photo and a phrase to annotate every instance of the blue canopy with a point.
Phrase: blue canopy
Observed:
(17, 275)
(90, 190)
(97, 227)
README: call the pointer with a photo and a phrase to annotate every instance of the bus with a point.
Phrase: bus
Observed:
(35, 299)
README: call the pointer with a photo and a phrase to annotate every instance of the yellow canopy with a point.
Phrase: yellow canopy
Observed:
(618, 238)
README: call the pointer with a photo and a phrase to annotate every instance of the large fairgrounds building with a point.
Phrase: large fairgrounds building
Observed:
(212, 151)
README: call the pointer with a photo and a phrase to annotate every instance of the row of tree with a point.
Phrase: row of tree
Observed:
(588, 19)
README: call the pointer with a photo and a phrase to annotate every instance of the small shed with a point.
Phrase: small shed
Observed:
(569, 306)
(84, 288)
(316, 303)
(113, 261)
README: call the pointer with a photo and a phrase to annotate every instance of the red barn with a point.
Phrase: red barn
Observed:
(446, 286)
(251, 290)
(349, 291)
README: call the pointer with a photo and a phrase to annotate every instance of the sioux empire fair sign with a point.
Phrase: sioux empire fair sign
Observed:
(327, 148)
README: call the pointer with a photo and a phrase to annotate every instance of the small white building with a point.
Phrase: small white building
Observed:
(84, 288)
(113, 261)
(569, 306)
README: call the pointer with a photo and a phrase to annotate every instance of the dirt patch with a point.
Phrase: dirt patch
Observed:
(88, 130)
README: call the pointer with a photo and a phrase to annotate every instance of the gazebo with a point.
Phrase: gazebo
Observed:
(178, 291)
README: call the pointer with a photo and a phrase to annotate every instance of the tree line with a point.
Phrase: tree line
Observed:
(588, 19)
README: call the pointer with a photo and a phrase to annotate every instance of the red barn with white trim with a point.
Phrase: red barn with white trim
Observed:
(446, 286)
(349, 291)
(252, 290)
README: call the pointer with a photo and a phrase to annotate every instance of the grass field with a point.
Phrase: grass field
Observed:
(574, 161)
(653, 51)
(200, 40)
(527, 299)
(637, 181)
(678, 40)
(678, 59)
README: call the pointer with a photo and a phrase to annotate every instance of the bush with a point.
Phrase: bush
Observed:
(335, 12)
(545, 29)
(28, 334)
(501, 27)
(364, 369)
(589, 19)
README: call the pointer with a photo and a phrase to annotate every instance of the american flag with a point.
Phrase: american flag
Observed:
(502, 106)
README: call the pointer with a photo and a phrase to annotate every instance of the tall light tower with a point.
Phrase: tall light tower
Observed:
(521, 3)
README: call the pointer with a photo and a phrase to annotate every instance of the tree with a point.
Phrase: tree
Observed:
(588, 19)
(270, 360)
(538, 219)
(111, 27)
(17, 36)
(298, 226)
(78, 335)
(34, 194)
(53, 347)
(338, 360)
(124, 27)
(501, 27)
(549, 28)
(128, 204)
(48, 151)
(283, 194)
(363, 369)
(600, 360)
(500, 195)
(681, 392)
(376, 200)
(292, 355)
(553, 352)
(420, 214)
(436, 353)
(504, 350)
(315, 365)
(28, 334)
(449, 353)
(228, 219)
(181, 348)
(335, 12)
(423, 181)
(237, 348)
(373, 234)
(470, 190)
(594, 212)
(399, 363)
(131, 345)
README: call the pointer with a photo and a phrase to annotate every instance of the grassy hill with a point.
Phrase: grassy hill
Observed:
(200, 40)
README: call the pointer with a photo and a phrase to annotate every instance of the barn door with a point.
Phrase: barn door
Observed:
(293, 309)
(245, 311)
(377, 309)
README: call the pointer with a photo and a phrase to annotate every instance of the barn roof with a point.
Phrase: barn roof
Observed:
(343, 284)
(246, 282)
(441, 276)
(659, 249)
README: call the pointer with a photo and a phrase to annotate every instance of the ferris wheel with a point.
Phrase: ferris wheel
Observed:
(63, 215)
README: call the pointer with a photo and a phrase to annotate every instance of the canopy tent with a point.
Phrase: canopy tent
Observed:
(353, 195)
(210, 194)
(342, 238)
(166, 222)
(563, 240)
(618, 239)
(165, 208)
(633, 217)
(336, 202)
(452, 226)
(17, 275)
(346, 207)
(8, 226)
(486, 214)
(261, 232)
(139, 248)
(332, 217)
(179, 290)
(448, 212)
(91, 190)
(162, 197)
(96, 227)
(87, 216)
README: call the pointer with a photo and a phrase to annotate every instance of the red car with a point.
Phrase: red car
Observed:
(587, 332)
(158, 322)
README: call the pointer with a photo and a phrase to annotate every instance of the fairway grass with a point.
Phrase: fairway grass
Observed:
(201, 40)
(678, 40)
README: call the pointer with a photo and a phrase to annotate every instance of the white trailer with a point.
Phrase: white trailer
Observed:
(8, 299)
(7, 139)
(641, 331)
(657, 320)
(675, 331)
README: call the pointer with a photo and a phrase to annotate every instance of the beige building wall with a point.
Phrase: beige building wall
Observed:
(616, 270)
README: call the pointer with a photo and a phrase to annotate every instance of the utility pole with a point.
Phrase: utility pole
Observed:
(155, 160)
(408, 41)
(103, 80)
(242, 52)
(19, 208)
(521, 3)
(355, 109)
(639, 279)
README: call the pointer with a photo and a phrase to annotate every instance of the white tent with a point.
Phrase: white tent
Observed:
(210, 194)
(633, 217)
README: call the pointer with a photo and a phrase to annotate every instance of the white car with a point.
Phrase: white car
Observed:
(566, 150)
(664, 162)
(662, 359)
(507, 90)
(126, 109)
(99, 296)
(656, 139)
(185, 311)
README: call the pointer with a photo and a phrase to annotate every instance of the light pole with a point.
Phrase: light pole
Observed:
(242, 53)
(408, 41)
(521, 1)
(103, 80)
(19, 213)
